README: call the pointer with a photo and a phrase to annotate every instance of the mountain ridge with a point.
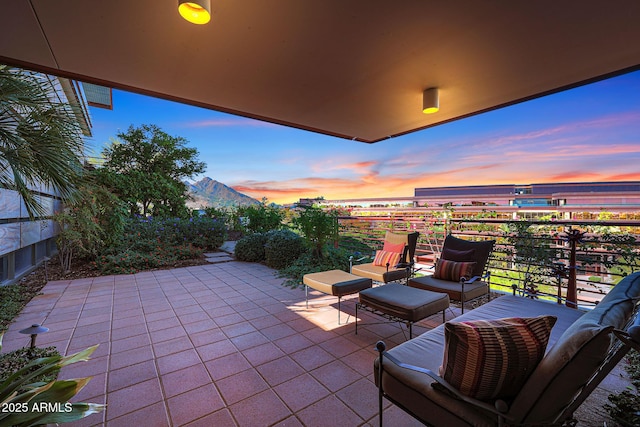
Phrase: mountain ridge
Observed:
(211, 193)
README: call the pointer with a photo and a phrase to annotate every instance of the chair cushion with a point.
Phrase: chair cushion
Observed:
(453, 271)
(492, 359)
(394, 247)
(385, 257)
(454, 289)
(379, 273)
(481, 251)
(458, 256)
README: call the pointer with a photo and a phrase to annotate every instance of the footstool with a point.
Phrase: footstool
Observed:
(334, 282)
(401, 303)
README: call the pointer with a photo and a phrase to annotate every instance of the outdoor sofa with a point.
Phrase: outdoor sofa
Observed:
(582, 349)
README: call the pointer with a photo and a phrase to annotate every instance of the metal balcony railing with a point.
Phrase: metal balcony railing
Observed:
(576, 262)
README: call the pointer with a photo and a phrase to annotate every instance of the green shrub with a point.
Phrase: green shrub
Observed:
(251, 248)
(334, 259)
(260, 218)
(202, 232)
(131, 261)
(283, 247)
(317, 227)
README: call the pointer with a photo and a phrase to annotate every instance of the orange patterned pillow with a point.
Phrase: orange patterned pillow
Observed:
(453, 271)
(492, 359)
(385, 257)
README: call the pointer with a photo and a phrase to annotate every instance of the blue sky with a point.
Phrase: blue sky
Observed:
(591, 133)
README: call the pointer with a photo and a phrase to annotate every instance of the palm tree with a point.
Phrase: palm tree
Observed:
(40, 138)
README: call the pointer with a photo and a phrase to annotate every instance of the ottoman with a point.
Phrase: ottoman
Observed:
(336, 283)
(401, 303)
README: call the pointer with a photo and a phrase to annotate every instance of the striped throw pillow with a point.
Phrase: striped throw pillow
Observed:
(384, 257)
(492, 359)
(453, 271)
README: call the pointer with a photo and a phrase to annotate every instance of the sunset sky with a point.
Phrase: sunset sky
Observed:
(591, 133)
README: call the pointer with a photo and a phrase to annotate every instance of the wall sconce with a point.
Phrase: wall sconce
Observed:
(34, 330)
(195, 11)
(430, 101)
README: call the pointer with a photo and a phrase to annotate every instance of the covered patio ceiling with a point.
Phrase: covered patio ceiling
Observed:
(354, 69)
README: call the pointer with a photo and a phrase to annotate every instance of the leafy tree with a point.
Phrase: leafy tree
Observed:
(146, 168)
(40, 137)
(91, 221)
(318, 227)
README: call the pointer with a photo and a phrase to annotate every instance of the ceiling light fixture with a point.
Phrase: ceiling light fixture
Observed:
(430, 101)
(195, 11)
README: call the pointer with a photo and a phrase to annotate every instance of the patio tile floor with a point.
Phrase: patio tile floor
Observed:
(215, 345)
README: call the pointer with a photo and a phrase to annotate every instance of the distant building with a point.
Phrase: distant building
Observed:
(586, 200)
(25, 243)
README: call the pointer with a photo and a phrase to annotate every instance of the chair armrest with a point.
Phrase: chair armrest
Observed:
(474, 278)
(499, 408)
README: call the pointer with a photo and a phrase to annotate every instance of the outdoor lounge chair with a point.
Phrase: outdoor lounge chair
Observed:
(403, 244)
(461, 271)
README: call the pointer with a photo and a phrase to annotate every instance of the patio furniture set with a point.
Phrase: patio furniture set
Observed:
(512, 361)
(459, 276)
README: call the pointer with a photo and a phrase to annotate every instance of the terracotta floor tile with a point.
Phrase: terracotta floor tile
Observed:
(361, 397)
(278, 331)
(330, 411)
(335, 375)
(133, 398)
(263, 354)
(238, 329)
(312, 357)
(253, 339)
(129, 343)
(216, 349)
(293, 343)
(241, 385)
(186, 379)
(153, 415)
(227, 365)
(221, 418)
(177, 361)
(172, 346)
(167, 334)
(124, 377)
(129, 331)
(266, 407)
(194, 404)
(280, 370)
(158, 325)
(229, 319)
(301, 391)
(201, 326)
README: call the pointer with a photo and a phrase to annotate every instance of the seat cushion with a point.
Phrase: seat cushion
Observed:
(491, 359)
(404, 302)
(336, 282)
(379, 273)
(453, 289)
